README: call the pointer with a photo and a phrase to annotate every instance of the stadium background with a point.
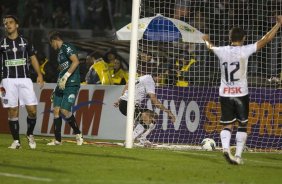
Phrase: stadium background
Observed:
(96, 33)
(96, 162)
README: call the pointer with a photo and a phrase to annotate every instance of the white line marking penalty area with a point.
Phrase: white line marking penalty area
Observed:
(25, 177)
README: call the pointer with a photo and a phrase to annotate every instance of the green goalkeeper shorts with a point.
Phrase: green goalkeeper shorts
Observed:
(65, 99)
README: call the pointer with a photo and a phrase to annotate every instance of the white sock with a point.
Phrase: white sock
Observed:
(225, 137)
(143, 137)
(139, 129)
(241, 138)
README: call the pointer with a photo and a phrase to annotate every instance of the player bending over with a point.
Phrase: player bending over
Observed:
(145, 119)
(67, 88)
(233, 90)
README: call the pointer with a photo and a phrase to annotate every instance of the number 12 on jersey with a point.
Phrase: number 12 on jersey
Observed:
(229, 73)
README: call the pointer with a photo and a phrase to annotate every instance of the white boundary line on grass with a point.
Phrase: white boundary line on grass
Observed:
(25, 177)
(249, 160)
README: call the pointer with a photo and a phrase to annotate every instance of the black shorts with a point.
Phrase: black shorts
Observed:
(234, 108)
(123, 108)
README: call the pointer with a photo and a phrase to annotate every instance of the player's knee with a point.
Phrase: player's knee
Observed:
(56, 111)
(65, 112)
(32, 114)
(13, 112)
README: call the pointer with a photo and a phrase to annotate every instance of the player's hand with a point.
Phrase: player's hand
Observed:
(52, 95)
(172, 117)
(206, 37)
(116, 104)
(279, 19)
(63, 80)
(40, 81)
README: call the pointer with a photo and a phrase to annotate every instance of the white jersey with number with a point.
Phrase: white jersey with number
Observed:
(233, 66)
(143, 86)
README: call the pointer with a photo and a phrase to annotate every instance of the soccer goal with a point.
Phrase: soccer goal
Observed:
(190, 73)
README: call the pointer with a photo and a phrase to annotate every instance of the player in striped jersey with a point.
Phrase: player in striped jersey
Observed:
(144, 118)
(233, 90)
(16, 55)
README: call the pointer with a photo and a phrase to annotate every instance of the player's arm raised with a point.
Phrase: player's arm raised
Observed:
(207, 41)
(270, 34)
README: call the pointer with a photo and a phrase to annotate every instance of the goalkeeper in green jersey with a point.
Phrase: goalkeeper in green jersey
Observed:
(67, 87)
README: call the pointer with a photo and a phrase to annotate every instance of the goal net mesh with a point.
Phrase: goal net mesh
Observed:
(191, 74)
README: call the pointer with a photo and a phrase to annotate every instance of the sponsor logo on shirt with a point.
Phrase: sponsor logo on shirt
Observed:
(64, 66)
(232, 90)
(15, 62)
(69, 50)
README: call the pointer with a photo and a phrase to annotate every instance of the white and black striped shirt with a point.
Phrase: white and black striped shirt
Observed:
(15, 57)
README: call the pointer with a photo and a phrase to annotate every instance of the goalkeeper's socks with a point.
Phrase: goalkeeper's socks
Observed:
(30, 125)
(225, 136)
(241, 138)
(14, 128)
(57, 128)
(72, 122)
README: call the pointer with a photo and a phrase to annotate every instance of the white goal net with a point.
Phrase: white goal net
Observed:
(191, 75)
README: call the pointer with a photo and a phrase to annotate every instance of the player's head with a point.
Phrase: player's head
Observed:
(11, 23)
(55, 39)
(237, 34)
(117, 64)
(92, 58)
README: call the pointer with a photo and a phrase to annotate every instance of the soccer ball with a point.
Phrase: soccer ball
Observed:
(208, 144)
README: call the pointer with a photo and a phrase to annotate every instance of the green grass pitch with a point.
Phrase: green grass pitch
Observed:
(92, 164)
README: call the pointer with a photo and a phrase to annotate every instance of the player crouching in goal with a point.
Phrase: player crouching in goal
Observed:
(145, 119)
(233, 90)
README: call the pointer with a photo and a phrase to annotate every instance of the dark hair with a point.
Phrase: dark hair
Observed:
(54, 35)
(95, 55)
(11, 16)
(236, 34)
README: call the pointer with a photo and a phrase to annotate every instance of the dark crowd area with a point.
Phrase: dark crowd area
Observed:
(91, 25)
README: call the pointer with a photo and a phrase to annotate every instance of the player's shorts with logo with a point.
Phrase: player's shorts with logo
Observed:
(65, 99)
(18, 91)
(234, 108)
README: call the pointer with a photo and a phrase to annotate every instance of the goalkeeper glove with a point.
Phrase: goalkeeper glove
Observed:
(63, 80)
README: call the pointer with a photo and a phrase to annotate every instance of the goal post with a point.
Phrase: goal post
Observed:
(132, 74)
(191, 74)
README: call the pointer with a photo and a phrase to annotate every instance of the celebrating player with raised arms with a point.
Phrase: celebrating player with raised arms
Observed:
(233, 90)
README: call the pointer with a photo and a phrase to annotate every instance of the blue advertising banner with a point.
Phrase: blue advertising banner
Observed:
(198, 113)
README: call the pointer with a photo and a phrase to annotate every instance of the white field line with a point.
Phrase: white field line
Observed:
(202, 154)
(248, 160)
(25, 177)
